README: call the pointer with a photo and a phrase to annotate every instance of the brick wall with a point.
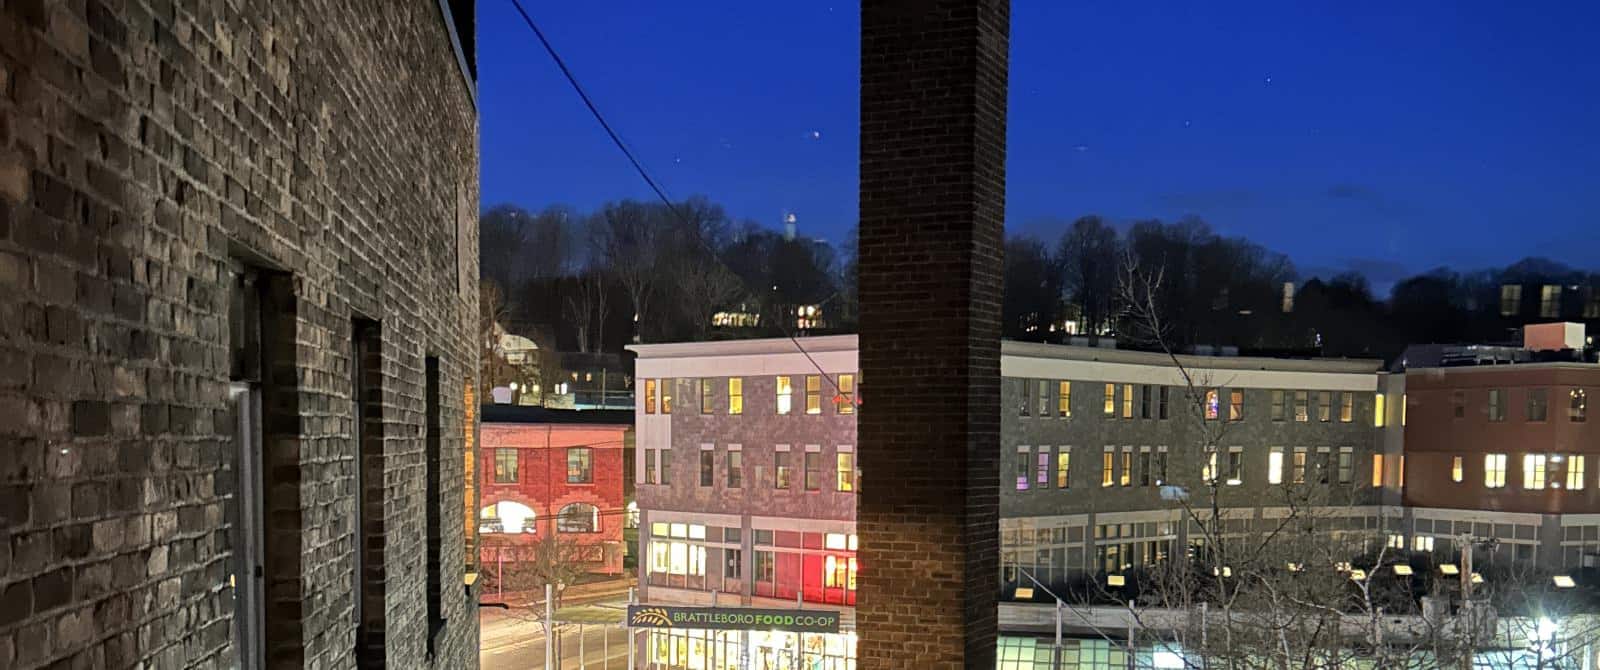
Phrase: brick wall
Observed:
(933, 103)
(542, 483)
(145, 147)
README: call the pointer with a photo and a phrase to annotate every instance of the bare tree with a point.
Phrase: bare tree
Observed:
(627, 236)
(587, 308)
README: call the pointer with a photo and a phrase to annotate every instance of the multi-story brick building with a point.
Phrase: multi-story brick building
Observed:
(546, 471)
(748, 484)
(1505, 452)
(1095, 436)
(237, 303)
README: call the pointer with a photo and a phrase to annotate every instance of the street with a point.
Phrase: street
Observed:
(514, 640)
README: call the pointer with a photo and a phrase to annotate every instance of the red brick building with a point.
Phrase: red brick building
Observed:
(549, 470)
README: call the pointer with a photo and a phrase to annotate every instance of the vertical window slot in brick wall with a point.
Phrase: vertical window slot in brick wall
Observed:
(431, 448)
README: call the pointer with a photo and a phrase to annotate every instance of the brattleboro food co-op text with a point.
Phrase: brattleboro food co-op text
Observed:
(730, 618)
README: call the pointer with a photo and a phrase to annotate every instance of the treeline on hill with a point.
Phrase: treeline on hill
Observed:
(591, 282)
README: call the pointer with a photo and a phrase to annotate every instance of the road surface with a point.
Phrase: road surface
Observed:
(514, 640)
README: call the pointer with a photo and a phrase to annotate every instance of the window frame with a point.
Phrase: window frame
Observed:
(515, 461)
(585, 464)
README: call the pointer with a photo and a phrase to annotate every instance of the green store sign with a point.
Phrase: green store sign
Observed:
(733, 618)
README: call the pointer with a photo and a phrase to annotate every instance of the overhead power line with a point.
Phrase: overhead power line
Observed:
(655, 186)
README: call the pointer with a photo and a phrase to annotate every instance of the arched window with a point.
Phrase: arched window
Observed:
(631, 519)
(579, 518)
(506, 517)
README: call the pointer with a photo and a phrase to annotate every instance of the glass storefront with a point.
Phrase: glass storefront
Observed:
(769, 650)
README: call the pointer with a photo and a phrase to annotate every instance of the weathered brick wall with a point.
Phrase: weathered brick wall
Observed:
(933, 105)
(143, 145)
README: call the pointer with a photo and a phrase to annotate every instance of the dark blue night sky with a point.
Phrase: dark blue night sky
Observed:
(1348, 135)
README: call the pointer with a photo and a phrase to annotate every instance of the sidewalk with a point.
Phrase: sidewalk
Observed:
(575, 594)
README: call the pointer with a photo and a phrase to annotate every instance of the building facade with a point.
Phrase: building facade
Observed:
(1100, 442)
(1505, 452)
(545, 471)
(238, 298)
(746, 484)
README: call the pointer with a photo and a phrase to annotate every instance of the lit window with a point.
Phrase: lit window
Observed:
(1211, 404)
(834, 541)
(1111, 399)
(846, 471)
(1347, 407)
(1575, 472)
(846, 402)
(1404, 405)
(785, 394)
(1064, 399)
(666, 396)
(1127, 401)
(1422, 543)
(1378, 409)
(1299, 471)
(649, 396)
(1578, 409)
(1127, 466)
(1550, 301)
(1456, 473)
(1275, 466)
(1063, 467)
(1377, 470)
(1302, 406)
(1533, 471)
(1107, 465)
(1042, 472)
(1494, 471)
(1236, 405)
(1510, 299)
(736, 395)
(1208, 472)
(813, 394)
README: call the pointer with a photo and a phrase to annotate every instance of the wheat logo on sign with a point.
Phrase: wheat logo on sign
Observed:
(651, 616)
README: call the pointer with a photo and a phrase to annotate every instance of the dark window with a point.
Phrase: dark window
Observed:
(1458, 404)
(813, 471)
(1578, 411)
(780, 469)
(579, 518)
(1324, 406)
(1277, 405)
(1144, 401)
(735, 469)
(1497, 405)
(708, 401)
(708, 467)
(732, 566)
(1144, 467)
(1165, 395)
(431, 498)
(1538, 404)
(580, 465)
